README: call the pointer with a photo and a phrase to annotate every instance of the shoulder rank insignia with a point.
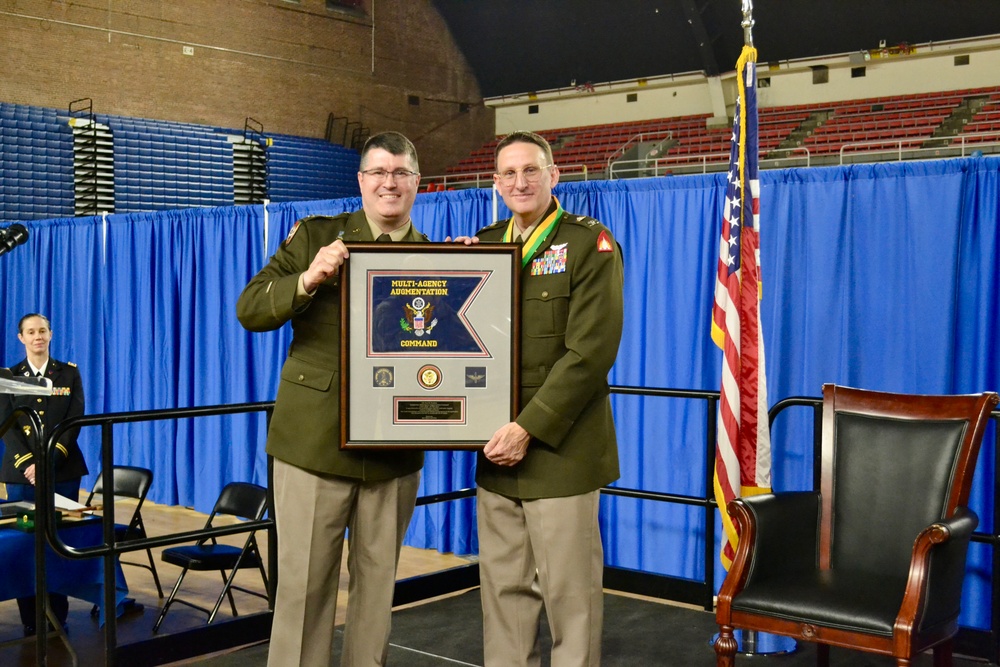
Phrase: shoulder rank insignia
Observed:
(70, 363)
(604, 243)
(291, 232)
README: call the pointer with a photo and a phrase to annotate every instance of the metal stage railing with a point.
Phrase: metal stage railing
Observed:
(245, 629)
(663, 586)
(168, 648)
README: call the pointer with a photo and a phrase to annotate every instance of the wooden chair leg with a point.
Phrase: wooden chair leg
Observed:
(943, 652)
(725, 647)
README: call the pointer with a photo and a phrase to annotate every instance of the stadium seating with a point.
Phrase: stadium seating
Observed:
(897, 123)
(300, 169)
(985, 123)
(165, 164)
(36, 164)
(157, 165)
(160, 166)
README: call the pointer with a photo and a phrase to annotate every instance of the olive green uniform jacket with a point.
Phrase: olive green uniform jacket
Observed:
(305, 427)
(571, 324)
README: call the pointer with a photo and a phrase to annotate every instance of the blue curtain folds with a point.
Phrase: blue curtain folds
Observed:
(881, 276)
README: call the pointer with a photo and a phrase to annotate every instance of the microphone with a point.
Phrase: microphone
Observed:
(12, 237)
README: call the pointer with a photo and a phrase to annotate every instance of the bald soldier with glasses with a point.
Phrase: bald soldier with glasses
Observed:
(320, 490)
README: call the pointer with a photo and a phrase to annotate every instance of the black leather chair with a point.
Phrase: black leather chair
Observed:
(238, 499)
(130, 482)
(874, 561)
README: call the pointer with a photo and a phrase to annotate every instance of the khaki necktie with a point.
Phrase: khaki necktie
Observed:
(384, 238)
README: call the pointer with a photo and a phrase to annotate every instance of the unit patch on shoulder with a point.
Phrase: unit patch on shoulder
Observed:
(604, 242)
(291, 233)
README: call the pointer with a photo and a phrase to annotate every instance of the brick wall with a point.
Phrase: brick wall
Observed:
(286, 64)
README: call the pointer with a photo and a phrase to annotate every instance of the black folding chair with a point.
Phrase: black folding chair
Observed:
(239, 499)
(130, 482)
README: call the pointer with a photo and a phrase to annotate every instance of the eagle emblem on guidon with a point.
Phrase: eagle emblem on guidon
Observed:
(418, 317)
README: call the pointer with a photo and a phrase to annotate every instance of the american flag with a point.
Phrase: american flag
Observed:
(743, 451)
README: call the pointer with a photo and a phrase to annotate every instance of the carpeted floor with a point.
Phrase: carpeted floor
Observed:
(637, 633)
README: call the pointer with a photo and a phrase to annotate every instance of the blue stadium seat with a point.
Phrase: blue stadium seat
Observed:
(156, 164)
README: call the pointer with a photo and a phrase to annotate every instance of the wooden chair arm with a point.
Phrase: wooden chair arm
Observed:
(937, 566)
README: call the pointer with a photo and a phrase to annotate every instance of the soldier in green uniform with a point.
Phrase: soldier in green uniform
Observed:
(320, 490)
(540, 476)
(18, 470)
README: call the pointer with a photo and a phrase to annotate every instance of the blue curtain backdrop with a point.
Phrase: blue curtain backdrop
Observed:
(879, 276)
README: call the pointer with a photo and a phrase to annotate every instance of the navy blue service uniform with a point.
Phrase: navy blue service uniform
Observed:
(66, 401)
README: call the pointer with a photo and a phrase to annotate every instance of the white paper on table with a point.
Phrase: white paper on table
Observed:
(64, 503)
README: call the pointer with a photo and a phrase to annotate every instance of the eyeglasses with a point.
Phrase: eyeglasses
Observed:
(531, 174)
(381, 175)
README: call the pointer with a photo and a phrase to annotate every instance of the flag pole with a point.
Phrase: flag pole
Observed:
(747, 22)
(743, 166)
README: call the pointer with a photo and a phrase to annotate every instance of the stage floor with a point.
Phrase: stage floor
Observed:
(637, 633)
(87, 638)
(442, 632)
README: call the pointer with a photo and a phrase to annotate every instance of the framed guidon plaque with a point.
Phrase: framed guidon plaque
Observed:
(429, 344)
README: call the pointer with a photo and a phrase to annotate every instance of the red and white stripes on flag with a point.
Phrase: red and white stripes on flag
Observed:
(743, 451)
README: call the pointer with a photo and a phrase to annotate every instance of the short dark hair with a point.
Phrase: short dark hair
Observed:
(20, 323)
(524, 137)
(394, 143)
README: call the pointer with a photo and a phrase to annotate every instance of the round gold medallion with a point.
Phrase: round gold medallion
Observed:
(429, 376)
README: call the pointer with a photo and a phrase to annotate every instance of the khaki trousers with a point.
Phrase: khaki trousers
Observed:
(541, 552)
(312, 512)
